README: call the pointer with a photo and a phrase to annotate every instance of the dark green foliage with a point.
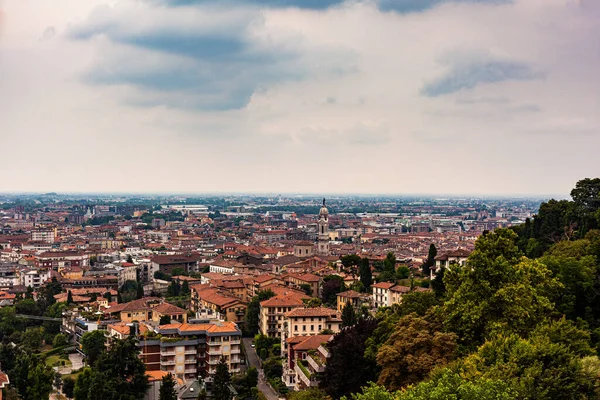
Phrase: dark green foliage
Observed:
(253, 311)
(332, 285)
(222, 379)
(164, 320)
(348, 369)
(402, 272)
(348, 315)
(366, 276)
(185, 289)
(68, 387)
(167, 388)
(93, 345)
(430, 262)
(119, 373)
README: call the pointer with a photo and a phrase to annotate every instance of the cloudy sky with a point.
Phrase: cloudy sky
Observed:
(319, 96)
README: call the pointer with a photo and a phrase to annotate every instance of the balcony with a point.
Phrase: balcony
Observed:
(236, 351)
(167, 352)
(234, 370)
(190, 360)
(191, 352)
(214, 343)
(303, 376)
(323, 351)
(235, 360)
(213, 352)
(232, 342)
(191, 370)
(314, 364)
(213, 362)
(169, 362)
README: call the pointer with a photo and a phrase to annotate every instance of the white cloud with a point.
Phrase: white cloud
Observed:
(310, 100)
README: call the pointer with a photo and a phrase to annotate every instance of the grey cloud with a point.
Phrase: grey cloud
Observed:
(408, 6)
(464, 76)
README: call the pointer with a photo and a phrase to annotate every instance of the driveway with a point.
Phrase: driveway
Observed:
(253, 360)
(76, 361)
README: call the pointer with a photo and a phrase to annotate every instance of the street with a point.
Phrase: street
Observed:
(254, 362)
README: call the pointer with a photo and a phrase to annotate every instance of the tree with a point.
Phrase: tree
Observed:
(119, 372)
(332, 285)
(68, 387)
(164, 320)
(348, 349)
(253, 310)
(313, 302)
(430, 262)
(93, 345)
(496, 290)
(83, 383)
(185, 289)
(309, 394)
(139, 291)
(167, 388)
(402, 272)
(32, 339)
(348, 315)
(221, 382)
(108, 297)
(129, 259)
(39, 382)
(366, 276)
(60, 340)
(416, 347)
(69, 297)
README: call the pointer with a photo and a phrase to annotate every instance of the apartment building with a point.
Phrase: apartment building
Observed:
(46, 236)
(309, 322)
(34, 278)
(301, 281)
(206, 298)
(62, 259)
(353, 297)
(306, 358)
(192, 349)
(272, 311)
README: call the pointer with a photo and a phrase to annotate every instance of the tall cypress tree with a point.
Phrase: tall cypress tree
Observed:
(167, 388)
(69, 297)
(221, 382)
(430, 262)
(348, 315)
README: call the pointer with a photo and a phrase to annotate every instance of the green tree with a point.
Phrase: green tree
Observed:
(32, 339)
(430, 261)
(309, 394)
(164, 320)
(82, 385)
(366, 276)
(69, 297)
(167, 388)
(60, 340)
(348, 315)
(497, 290)
(221, 382)
(39, 385)
(185, 289)
(93, 345)
(416, 347)
(139, 291)
(68, 387)
(253, 310)
(332, 285)
(402, 272)
(348, 349)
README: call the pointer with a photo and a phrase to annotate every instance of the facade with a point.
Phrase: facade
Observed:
(458, 256)
(306, 357)
(386, 294)
(309, 322)
(191, 350)
(166, 264)
(46, 236)
(272, 312)
(355, 298)
(33, 278)
(56, 260)
(126, 272)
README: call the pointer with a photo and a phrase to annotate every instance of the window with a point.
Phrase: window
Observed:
(303, 328)
(320, 328)
(296, 328)
(312, 327)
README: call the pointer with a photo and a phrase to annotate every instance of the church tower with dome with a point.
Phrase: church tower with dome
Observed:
(323, 235)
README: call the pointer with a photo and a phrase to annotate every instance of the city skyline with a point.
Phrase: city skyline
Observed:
(431, 97)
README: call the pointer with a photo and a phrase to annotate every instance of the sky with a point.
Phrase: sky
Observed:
(359, 96)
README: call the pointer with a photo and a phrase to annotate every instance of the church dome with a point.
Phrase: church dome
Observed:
(324, 210)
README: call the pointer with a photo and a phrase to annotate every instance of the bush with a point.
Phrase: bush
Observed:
(59, 340)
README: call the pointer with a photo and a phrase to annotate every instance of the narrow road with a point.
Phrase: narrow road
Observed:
(254, 362)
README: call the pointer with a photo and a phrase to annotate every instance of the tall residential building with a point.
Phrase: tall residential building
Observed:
(189, 350)
(272, 311)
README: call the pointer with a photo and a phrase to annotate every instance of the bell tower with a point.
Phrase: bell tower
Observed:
(323, 234)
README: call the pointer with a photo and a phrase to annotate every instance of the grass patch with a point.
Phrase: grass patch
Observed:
(57, 361)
